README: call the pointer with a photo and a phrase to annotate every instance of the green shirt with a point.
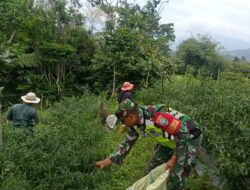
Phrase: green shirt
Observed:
(23, 115)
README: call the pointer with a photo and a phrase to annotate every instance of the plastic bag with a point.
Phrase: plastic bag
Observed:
(111, 121)
(155, 180)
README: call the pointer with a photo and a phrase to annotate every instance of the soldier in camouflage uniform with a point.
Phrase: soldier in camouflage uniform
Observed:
(179, 139)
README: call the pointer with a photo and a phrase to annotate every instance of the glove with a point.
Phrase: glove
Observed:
(122, 128)
(103, 163)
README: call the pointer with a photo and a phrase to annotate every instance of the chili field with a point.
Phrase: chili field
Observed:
(70, 138)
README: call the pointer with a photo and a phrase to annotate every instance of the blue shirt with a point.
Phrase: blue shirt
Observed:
(23, 115)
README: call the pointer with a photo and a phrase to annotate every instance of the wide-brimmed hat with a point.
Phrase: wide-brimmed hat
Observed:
(30, 98)
(127, 86)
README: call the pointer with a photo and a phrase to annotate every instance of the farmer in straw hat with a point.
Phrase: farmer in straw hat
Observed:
(24, 115)
(178, 139)
(125, 91)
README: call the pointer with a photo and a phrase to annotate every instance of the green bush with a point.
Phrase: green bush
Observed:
(61, 152)
(222, 109)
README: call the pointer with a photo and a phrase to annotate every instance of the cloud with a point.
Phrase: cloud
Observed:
(229, 18)
(220, 17)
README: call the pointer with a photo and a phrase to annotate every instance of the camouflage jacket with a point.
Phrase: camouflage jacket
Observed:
(182, 138)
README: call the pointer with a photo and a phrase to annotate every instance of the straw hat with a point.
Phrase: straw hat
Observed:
(127, 86)
(30, 98)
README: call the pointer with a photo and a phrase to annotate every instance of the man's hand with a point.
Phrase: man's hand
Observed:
(103, 163)
(122, 128)
(171, 163)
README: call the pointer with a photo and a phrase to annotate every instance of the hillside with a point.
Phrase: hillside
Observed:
(238, 53)
(65, 146)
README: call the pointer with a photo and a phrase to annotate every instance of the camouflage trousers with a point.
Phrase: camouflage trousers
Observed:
(183, 165)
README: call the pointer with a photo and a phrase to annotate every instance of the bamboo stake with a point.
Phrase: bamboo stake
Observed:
(113, 88)
(218, 75)
(1, 134)
(187, 68)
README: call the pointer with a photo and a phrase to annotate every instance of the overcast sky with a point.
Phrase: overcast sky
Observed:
(226, 21)
(219, 18)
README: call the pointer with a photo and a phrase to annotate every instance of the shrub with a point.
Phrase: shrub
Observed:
(222, 109)
(61, 152)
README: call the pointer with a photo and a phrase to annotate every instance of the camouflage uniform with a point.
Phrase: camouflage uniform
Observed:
(188, 145)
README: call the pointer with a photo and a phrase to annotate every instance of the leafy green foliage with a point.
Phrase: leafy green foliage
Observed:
(46, 48)
(197, 183)
(135, 47)
(48, 43)
(201, 53)
(238, 70)
(63, 149)
(60, 154)
(221, 108)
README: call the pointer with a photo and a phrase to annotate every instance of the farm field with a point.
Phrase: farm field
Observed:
(70, 139)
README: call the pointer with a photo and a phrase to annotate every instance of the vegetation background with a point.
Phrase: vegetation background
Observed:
(52, 48)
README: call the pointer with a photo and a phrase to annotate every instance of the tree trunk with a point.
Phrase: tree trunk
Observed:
(162, 88)
(49, 77)
(58, 80)
(113, 85)
(218, 75)
(199, 73)
(99, 112)
(146, 82)
(1, 134)
(41, 103)
(12, 35)
(186, 72)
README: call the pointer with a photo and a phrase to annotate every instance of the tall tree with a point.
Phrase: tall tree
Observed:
(50, 45)
(134, 41)
(201, 53)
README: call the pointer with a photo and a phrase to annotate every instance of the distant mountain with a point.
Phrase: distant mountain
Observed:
(230, 47)
(243, 53)
(229, 44)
